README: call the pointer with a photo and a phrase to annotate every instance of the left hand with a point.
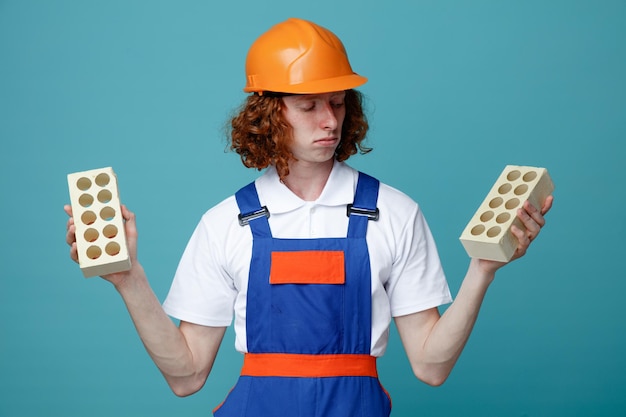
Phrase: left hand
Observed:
(533, 220)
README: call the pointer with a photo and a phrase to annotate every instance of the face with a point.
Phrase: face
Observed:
(316, 121)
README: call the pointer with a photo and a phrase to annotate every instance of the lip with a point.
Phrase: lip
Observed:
(327, 141)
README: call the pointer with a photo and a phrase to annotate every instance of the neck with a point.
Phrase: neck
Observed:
(307, 181)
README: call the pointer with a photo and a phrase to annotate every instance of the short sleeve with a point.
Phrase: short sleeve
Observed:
(203, 292)
(417, 281)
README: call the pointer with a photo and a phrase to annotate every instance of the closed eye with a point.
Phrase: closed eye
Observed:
(306, 106)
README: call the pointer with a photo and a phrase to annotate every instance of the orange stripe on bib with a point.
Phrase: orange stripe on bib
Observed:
(308, 267)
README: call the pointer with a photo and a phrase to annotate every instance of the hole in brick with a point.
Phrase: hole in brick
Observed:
(503, 218)
(496, 202)
(529, 176)
(94, 252)
(83, 183)
(107, 213)
(513, 175)
(521, 189)
(88, 217)
(512, 203)
(477, 230)
(109, 231)
(494, 231)
(505, 188)
(102, 179)
(486, 216)
(91, 235)
(85, 200)
(105, 196)
(112, 248)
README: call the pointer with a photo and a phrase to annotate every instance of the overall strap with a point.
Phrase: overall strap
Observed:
(364, 207)
(251, 212)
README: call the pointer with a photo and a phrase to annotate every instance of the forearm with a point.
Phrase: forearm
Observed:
(163, 340)
(434, 344)
(451, 332)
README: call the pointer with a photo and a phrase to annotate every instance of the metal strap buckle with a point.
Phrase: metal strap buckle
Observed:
(244, 219)
(370, 214)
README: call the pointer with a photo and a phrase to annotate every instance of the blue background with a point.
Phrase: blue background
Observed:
(456, 91)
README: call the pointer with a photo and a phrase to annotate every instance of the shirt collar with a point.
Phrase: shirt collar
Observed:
(339, 190)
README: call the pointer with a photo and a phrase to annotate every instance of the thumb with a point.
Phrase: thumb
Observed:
(130, 227)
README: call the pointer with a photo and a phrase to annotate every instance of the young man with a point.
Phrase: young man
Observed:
(313, 259)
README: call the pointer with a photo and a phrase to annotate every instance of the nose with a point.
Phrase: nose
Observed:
(328, 118)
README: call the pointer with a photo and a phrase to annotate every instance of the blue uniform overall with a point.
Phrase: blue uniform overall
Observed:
(308, 321)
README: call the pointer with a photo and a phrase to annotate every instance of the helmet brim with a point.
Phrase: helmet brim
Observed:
(328, 85)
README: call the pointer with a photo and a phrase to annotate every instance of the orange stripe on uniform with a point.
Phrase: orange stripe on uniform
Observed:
(308, 267)
(308, 366)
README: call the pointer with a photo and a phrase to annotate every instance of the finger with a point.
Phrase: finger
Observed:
(68, 210)
(523, 241)
(74, 252)
(129, 220)
(547, 205)
(530, 223)
(70, 236)
(130, 226)
(70, 222)
(534, 213)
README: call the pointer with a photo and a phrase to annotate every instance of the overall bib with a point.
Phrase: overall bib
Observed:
(308, 321)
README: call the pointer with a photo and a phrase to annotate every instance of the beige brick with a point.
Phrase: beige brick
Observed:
(100, 234)
(488, 234)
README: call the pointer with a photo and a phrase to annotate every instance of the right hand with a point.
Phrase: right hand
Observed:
(130, 227)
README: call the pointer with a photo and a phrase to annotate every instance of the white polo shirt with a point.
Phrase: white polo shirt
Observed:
(210, 285)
